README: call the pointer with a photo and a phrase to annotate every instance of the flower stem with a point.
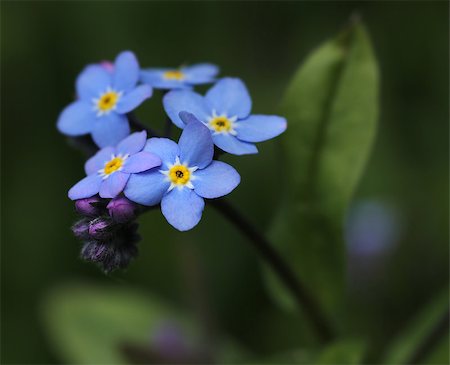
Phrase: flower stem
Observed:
(304, 299)
(429, 343)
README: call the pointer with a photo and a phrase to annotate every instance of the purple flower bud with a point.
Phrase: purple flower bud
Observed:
(108, 66)
(101, 228)
(121, 209)
(81, 229)
(116, 252)
(89, 207)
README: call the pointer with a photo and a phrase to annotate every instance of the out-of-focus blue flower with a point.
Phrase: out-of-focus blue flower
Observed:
(372, 228)
(109, 170)
(187, 175)
(181, 78)
(225, 110)
(105, 94)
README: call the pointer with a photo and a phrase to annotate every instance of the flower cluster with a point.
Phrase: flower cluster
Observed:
(130, 171)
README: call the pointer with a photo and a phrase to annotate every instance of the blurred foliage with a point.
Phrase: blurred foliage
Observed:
(45, 44)
(405, 349)
(88, 324)
(92, 324)
(331, 129)
(349, 352)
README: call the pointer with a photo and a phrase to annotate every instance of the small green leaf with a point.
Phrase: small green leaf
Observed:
(87, 324)
(331, 106)
(346, 352)
(430, 328)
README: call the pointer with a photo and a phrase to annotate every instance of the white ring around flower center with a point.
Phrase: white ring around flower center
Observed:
(222, 124)
(115, 163)
(107, 101)
(179, 175)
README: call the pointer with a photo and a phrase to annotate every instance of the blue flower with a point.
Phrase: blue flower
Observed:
(182, 78)
(109, 170)
(105, 96)
(187, 175)
(225, 110)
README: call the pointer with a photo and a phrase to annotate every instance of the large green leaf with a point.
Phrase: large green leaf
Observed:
(349, 352)
(425, 340)
(88, 324)
(331, 107)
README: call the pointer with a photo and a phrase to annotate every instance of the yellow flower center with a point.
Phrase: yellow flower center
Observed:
(107, 101)
(221, 124)
(179, 175)
(115, 164)
(174, 75)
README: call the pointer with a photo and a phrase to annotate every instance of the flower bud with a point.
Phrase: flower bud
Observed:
(89, 207)
(115, 253)
(108, 66)
(81, 229)
(121, 209)
(101, 228)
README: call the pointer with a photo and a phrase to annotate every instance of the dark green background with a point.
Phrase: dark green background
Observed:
(45, 45)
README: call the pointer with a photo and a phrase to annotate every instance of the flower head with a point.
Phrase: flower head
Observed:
(179, 78)
(105, 95)
(186, 176)
(109, 170)
(225, 110)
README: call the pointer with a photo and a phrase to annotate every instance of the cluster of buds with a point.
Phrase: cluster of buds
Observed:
(108, 231)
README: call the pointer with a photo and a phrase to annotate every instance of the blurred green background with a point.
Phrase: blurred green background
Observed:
(45, 44)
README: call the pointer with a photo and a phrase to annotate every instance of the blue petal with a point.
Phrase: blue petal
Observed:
(110, 129)
(98, 161)
(126, 71)
(196, 145)
(229, 96)
(164, 148)
(258, 128)
(76, 119)
(114, 184)
(182, 208)
(216, 180)
(146, 188)
(200, 73)
(177, 101)
(133, 99)
(155, 78)
(86, 188)
(134, 143)
(92, 81)
(141, 161)
(232, 145)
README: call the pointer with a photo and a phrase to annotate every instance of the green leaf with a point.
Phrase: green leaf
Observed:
(331, 106)
(349, 352)
(429, 328)
(87, 324)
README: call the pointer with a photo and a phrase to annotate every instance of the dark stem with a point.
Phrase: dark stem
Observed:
(304, 299)
(138, 125)
(427, 346)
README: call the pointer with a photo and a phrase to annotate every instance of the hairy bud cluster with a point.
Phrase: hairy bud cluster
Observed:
(108, 231)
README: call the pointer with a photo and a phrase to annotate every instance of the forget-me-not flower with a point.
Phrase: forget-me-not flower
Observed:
(187, 175)
(180, 78)
(104, 97)
(225, 110)
(108, 171)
